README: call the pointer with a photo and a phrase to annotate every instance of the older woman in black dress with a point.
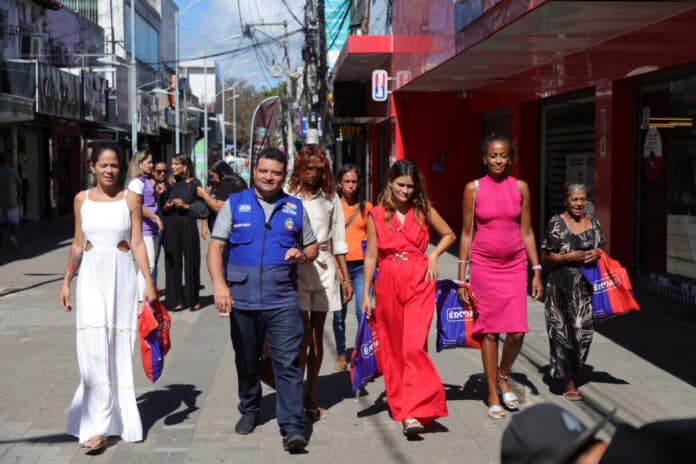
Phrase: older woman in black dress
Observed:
(572, 240)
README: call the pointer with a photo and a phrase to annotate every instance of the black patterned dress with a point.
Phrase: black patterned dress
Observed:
(569, 298)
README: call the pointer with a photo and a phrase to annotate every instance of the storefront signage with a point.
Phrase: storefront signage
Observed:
(94, 91)
(148, 114)
(380, 86)
(652, 154)
(59, 93)
(403, 77)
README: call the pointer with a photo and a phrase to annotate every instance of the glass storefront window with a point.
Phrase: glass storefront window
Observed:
(667, 196)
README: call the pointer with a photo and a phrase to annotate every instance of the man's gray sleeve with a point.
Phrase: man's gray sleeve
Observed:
(308, 236)
(223, 223)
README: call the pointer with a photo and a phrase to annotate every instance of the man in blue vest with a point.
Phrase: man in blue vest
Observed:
(269, 233)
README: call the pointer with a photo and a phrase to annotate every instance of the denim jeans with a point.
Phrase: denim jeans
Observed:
(355, 270)
(284, 331)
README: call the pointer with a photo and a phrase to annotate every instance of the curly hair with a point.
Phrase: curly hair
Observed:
(419, 199)
(327, 183)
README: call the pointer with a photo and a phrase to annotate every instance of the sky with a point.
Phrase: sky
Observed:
(207, 26)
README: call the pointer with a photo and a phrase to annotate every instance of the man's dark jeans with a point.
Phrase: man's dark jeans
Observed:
(284, 331)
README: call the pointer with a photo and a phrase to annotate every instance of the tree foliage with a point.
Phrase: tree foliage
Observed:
(247, 101)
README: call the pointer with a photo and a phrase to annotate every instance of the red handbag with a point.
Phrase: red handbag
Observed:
(154, 327)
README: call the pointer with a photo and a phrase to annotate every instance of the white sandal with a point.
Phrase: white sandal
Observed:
(496, 412)
(510, 400)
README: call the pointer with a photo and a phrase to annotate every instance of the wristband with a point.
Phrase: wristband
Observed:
(536, 267)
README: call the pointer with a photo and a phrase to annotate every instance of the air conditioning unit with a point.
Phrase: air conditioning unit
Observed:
(37, 48)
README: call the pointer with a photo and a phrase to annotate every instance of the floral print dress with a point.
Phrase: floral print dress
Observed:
(569, 298)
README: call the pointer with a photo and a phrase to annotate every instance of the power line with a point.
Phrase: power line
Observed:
(292, 14)
(232, 51)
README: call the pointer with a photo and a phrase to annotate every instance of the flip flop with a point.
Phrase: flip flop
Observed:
(315, 414)
(496, 412)
(340, 364)
(573, 395)
(102, 441)
(413, 426)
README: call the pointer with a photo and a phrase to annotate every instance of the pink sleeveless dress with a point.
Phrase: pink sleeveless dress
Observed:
(498, 258)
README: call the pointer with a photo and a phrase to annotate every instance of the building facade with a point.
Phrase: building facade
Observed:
(594, 91)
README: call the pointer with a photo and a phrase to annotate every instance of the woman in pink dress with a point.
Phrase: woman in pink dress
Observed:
(497, 255)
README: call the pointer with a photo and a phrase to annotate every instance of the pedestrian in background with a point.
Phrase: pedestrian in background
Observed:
(108, 234)
(355, 210)
(140, 181)
(496, 209)
(181, 242)
(320, 285)
(10, 191)
(159, 173)
(572, 240)
(397, 240)
(269, 234)
(223, 182)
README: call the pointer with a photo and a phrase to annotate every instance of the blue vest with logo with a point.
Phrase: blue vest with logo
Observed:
(257, 272)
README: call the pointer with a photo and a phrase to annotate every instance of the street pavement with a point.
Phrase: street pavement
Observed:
(189, 414)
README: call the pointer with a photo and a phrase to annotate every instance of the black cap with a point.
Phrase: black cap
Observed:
(546, 433)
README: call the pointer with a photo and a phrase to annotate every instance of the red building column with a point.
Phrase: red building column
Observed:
(615, 165)
(525, 139)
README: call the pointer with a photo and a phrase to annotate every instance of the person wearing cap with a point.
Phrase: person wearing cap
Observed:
(547, 433)
(269, 234)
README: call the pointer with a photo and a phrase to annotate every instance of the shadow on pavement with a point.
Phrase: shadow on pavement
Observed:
(586, 374)
(43, 439)
(37, 238)
(660, 333)
(156, 404)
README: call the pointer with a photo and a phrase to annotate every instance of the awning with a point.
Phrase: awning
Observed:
(362, 54)
(548, 41)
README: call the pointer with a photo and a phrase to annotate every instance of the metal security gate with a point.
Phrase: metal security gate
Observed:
(567, 152)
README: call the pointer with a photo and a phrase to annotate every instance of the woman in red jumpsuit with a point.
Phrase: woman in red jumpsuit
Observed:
(397, 239)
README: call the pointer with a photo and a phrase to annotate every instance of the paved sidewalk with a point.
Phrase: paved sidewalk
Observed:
(189, 414)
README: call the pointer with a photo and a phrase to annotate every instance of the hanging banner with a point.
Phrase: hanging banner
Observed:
(652, 154)
(263, 124)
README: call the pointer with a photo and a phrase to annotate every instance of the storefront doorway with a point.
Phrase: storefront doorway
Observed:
(567, 150)
(666, 241)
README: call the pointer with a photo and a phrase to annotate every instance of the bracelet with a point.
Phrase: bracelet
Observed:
(346, 280)
(462, 261)
(536, 267)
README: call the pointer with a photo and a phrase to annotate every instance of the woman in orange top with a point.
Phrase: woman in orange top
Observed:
(355, 210)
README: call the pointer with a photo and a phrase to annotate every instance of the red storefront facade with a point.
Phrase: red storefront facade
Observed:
(598, 91)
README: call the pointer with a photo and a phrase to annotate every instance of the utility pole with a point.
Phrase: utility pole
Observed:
(310, 55)
(133, 83)
(321, 70)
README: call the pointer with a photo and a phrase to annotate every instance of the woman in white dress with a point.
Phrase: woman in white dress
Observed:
(108, 234)
(319, 284)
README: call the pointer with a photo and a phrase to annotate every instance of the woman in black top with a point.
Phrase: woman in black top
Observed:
(224, 181)
(181, 242)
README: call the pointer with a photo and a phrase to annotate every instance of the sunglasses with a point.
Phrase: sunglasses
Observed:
(160, 171)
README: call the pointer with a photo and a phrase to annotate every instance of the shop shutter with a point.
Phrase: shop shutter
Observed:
(569, 155)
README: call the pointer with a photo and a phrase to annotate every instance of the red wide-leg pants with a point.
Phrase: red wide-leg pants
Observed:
(404, 309)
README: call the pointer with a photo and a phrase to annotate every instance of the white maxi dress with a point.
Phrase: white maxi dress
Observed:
(107, 320)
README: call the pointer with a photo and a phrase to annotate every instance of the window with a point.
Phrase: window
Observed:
(146, 39)
(667, 164)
